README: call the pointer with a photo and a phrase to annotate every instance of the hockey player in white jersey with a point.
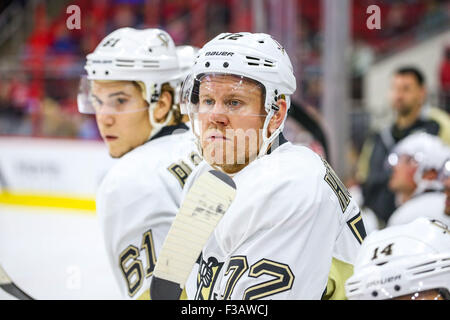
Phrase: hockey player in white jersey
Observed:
(292, 231)
(131, 86)
(403, 262)
(445, 178)
(417, 161)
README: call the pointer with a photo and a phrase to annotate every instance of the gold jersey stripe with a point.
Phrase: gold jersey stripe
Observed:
(340, 271)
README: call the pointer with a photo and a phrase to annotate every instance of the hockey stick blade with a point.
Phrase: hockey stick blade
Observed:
(10, 287)
(205, 204)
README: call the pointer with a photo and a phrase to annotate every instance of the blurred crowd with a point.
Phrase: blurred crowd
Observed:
(405, 161)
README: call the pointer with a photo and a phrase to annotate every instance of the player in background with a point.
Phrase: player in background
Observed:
(445, 177)
(404, 262)
(132, 81)
(417, 161)
(186, 58)
(292, 223)
(408, 99)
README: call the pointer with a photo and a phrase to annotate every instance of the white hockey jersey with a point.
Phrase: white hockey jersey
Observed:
(291, 221)
(428, 204)
(136, 204)
(371, 222)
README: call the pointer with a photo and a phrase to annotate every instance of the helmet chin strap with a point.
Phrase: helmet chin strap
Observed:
(157, 126)
(267, 141)
(196, 135)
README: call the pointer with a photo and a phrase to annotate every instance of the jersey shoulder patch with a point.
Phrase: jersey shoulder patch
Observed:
(181, 170)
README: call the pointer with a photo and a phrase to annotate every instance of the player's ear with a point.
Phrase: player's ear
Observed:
(278, 116)
(163, 107)
(430, 175)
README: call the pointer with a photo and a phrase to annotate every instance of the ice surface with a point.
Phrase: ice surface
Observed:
(55, 253)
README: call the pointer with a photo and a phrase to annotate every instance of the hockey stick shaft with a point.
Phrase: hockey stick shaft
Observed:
(205, 204)
(7, 285)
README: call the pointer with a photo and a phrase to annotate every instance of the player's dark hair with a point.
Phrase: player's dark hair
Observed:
(410, 70)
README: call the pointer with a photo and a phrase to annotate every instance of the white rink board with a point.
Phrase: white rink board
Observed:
(53, 166)
(55, 254)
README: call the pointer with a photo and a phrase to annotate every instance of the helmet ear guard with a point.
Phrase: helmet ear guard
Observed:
(269, 140)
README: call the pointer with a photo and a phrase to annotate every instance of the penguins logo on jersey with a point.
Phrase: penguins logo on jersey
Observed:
(207, 276)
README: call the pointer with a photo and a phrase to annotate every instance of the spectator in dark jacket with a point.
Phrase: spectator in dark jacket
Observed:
(444, 77)
(408, 95)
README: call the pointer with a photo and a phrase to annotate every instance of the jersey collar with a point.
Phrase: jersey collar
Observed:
(168, 130)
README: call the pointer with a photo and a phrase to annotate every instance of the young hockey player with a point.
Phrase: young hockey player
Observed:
(292, 231)
(131, 86)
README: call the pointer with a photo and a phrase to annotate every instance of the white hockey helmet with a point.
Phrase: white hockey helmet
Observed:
(255, 56)
(147, 56)
(428, 151)
(445, 171)
(186, 57)
(402, 260)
